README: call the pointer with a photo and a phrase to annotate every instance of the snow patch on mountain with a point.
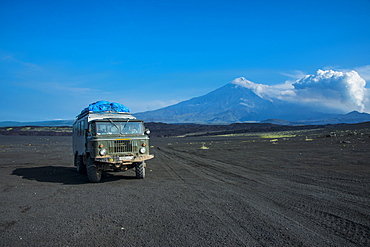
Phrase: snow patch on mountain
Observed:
(259, 89)
(281, 91)
(256, 88)
(247, 103)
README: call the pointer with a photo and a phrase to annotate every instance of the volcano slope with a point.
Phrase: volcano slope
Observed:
(292, 188)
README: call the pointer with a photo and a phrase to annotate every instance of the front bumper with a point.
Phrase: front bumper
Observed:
(124, 159)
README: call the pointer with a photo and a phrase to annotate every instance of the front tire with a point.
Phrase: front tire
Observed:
(140, 170)
(94, 174)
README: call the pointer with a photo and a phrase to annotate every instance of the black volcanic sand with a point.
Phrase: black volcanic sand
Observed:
(293, 188)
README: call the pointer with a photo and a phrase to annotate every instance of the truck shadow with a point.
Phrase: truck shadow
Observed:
(63, 175)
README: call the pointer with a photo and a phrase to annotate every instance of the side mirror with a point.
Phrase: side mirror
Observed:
(147, 132)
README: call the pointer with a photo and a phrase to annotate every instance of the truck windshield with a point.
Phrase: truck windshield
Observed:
(116, 128)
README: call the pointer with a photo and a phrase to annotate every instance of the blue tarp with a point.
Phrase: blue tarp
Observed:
(105, 106)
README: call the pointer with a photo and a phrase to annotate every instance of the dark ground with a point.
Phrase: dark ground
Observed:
(260, 189)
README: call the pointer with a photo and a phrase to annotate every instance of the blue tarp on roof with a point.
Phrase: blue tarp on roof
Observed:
(105, 106)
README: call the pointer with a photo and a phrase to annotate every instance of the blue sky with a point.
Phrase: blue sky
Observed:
(56, 57)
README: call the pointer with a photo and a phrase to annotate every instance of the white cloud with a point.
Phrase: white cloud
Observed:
(344, 91)
(364, 72)
(345, 87)
(14, 61)
(297, 74)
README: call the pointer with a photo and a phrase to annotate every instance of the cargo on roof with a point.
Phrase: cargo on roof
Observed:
(103, 106)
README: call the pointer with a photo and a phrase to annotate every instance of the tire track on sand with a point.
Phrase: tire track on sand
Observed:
(182, 172)
(288, 207)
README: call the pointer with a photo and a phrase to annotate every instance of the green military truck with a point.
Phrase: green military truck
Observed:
(106, 137)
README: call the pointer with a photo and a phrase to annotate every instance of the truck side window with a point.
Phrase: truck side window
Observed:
(83, 128)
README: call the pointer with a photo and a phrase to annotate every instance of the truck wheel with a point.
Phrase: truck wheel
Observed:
(81, 167)
(140, 170)
(93, 172)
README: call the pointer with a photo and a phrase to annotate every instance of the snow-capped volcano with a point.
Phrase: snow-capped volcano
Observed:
(230, 103)
(241, 100)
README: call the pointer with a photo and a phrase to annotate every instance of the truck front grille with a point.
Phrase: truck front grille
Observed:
(121, 146)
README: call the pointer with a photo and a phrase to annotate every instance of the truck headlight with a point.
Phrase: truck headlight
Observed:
(102, 152)
(142, 150)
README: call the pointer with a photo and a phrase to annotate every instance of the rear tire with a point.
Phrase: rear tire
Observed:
(94, 174)
(140, 170)
(80, 166)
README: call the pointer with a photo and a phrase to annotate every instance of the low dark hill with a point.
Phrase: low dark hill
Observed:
(168, 130)
(37, 131)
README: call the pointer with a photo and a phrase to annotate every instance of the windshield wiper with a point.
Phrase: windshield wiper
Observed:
(125, 124)
(115, 125)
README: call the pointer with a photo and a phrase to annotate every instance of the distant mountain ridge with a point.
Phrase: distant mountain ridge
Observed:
(349, 118)
(38, 123)
(234, 103)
